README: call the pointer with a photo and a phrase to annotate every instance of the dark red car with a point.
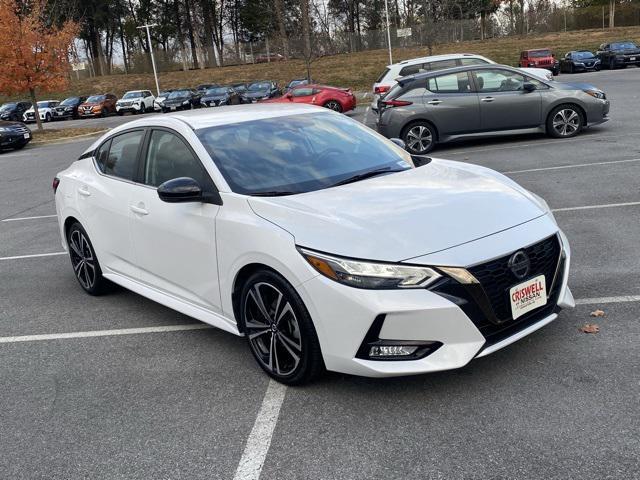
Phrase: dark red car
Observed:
(539, 58)
(338, 99)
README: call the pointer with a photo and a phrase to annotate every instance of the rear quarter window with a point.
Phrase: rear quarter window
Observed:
(382, 75)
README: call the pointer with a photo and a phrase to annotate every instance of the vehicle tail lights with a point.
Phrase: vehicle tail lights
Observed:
(56, 182)
(381, 90)
(395, 103)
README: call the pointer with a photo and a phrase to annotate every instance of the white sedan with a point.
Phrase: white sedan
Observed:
(324, 244)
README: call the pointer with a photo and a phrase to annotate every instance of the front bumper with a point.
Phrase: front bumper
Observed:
(128, 108)
(12, 139)
(344, 317)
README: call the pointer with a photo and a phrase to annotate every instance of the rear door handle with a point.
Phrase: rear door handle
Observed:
(84, 191)
(434, 102)
(488, 99)
(138, 210)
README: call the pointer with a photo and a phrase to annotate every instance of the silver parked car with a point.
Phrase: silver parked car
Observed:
(485, 100)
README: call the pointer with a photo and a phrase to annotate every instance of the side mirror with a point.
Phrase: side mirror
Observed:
(182, 189)
(289, 95)
(420, 160)
(399, 142)
(528, 87)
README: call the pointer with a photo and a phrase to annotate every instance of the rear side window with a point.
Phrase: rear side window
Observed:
(382, 75)
(122, 161)
(472, 61)
(452, 83)
(442, 64)
(102, 154)
(412, 69)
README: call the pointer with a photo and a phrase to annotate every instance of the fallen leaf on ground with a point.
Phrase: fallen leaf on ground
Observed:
(590, 328)
(597, 313)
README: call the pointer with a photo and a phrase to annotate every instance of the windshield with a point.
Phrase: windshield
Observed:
(44, 104)
(240, 88)
(539, 53)
(217, 91)
(258, 87)
(623, 46)
(70, 101)
(132, 95)
(165, 94)
(297, 153)
(179, 94)
(95, 99)
(582, 55)
(8, 106)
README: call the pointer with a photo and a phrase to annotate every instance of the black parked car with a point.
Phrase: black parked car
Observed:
(579, 61)
(68, 108)
(240, 88)
(261, 91)
(13, 135)
(181, 99)
(14, 110)
(205, 86)
(619, 54)
(215, 97)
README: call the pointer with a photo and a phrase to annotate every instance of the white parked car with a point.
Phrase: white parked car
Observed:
(45, 111)
(387, 78)
(136, 101)
(315, 238)
(157, 104)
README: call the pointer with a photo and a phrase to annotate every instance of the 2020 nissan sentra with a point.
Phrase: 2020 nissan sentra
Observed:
(314, 237)
(482, 100)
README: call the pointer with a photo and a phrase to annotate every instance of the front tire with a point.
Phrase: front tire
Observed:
(419, 138)
(85, 262)
(47, 117)
(565, 121)
(279, 329)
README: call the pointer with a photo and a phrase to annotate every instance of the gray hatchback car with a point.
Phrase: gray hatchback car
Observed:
(485, 100)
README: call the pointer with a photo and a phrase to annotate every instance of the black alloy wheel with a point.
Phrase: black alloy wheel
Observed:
(84, 261)
(279, 329)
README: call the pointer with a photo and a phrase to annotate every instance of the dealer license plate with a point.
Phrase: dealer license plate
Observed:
(528, 296)
(173, 108)
(27, 135)
(632, 59)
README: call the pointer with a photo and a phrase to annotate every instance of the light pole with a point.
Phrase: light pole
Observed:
(386, 8)
(153, 62)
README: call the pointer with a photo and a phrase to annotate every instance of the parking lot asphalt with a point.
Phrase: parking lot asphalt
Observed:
(184, 404)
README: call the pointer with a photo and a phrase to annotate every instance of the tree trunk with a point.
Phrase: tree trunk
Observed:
(192, 40)
(511, 19)
(612, 13)
(124, 47)
(281, 28)
(483, 24)
(32, 94)
(522, 23)
(306, 34)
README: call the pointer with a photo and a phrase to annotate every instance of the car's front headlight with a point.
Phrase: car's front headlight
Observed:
(595, 93)
(369, 275)
(186, 102)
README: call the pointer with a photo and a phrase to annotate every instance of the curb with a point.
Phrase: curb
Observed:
(64, 139)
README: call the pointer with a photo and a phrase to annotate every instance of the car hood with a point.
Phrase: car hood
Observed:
(92, 104)
(576, 86)
(7, 124)
(214, 97)
(177, 100)
(403, 215)
(260, 94)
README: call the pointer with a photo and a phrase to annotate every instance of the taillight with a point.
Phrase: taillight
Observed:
(382, 89)
(395, 103)
(56, 182)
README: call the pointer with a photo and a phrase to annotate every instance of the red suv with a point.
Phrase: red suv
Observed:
(540, 58)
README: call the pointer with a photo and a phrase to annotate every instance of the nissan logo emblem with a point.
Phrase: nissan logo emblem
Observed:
(519, 264)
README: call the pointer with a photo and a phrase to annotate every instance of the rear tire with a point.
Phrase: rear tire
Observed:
(85, 262)
(333, 105)
(279, 329)
(419, 138)
(47, 117)
(565, 121)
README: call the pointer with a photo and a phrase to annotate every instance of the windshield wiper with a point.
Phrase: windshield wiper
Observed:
(273, 193)
(369, 174)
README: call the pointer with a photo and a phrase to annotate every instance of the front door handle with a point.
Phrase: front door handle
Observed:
(488, 99)
(434, 102)
(84, 191)
(139, 210)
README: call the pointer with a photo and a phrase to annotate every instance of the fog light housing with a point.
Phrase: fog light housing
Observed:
(392, 350)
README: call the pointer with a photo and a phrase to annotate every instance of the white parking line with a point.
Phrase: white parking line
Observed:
(28, 218)
(35, 255)
(602, 300)
(105, 333)
(562, 167)
(590, 207)
(255, 451)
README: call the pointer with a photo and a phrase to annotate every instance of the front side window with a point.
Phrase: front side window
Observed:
(499, 81)
(297, 153)
(102, 154)
(168, 157)
(452, 83)
(302, 92)
(122, 161)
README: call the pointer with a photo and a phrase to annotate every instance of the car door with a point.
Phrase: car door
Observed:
(103, 197)
(504, 103)
(302, 94)
(175, 242)
(452, 104)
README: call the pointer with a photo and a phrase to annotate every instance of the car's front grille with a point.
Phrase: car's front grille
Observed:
(20, 129)
(497, 278)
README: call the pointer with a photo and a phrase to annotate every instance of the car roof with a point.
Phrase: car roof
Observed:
(212, 117)
(447, 71)
(434, 58)
(537, 49)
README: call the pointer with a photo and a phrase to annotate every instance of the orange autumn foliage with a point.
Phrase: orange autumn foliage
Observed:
(34, 56)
